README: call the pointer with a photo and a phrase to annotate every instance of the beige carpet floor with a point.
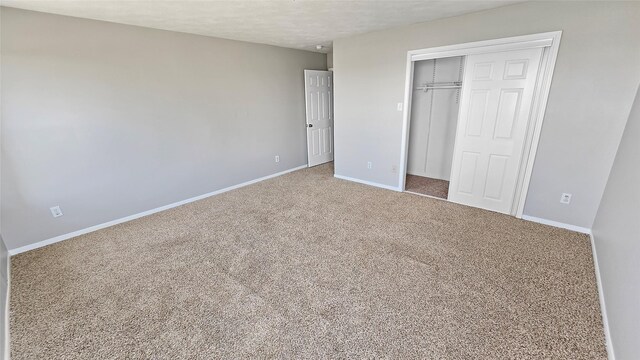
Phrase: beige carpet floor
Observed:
(427, 186)
(309, 266)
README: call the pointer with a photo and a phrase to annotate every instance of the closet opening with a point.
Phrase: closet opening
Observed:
(472, 119)
(433, 121)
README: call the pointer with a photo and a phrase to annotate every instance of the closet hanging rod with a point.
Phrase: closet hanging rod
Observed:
(441, 85)
(425, 88)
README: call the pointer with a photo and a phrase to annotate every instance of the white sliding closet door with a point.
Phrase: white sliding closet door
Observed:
(318, 86)
(495, 109)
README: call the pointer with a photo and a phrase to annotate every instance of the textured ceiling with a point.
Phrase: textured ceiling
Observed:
(299, 24)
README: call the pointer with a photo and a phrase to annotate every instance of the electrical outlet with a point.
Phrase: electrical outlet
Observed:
(565, 198)
(369, 165)
(394, 169)
(399, 106)
(277, 158)
(55, 211)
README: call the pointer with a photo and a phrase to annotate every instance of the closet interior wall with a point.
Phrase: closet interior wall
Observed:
(434, 116)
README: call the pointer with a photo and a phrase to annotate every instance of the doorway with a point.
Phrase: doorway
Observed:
(473, 130)
(318, 89)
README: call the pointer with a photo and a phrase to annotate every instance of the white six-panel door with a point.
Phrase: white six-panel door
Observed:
(495, 108)
(319, 101)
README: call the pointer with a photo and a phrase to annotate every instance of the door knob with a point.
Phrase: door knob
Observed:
(310, 125)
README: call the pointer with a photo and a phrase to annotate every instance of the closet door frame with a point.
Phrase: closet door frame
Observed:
(550, 41)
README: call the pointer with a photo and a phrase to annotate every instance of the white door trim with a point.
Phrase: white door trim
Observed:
(550, 41)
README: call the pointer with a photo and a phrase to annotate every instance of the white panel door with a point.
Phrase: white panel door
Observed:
(495, 108)
(319, 99)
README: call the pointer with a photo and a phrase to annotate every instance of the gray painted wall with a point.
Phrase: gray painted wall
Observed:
(596, 75)
(110, 120)
(616, 233)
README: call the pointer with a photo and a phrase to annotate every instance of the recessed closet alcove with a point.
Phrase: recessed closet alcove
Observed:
(434, 116)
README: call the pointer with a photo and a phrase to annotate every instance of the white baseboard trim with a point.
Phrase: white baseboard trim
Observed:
(557, 224)
(7, 335)
(603, 307)
(70, 235)
(370, 183)
(425, 195)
